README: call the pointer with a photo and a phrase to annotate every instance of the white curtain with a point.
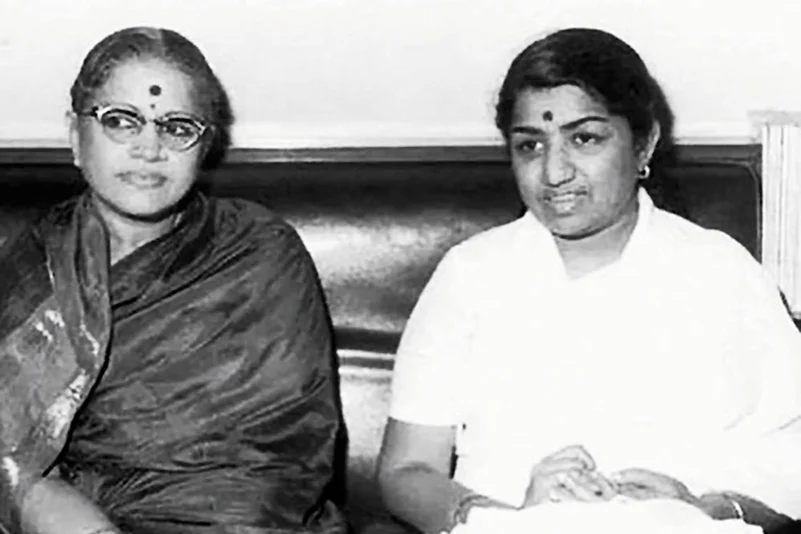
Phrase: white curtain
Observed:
(780, 134)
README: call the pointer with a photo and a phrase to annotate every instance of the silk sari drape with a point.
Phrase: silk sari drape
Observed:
(189, 388)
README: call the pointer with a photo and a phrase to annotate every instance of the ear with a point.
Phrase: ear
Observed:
(647, 151)
(207, 145)
(72, 120)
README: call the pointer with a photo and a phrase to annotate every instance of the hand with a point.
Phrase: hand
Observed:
(748, 509)
(568, 474)
(643, 484)
(719, 506)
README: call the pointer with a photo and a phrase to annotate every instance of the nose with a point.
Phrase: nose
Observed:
(558, 168)
(147, 145)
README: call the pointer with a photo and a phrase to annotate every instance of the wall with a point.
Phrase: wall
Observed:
(395, 72)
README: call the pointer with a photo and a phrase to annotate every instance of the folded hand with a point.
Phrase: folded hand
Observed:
(643, 484)
(568, 474)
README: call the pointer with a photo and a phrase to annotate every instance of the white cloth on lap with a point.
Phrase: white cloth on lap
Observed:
(660, 516)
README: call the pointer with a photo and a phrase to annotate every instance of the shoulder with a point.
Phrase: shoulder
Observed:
(248, 238)
(10, 228)
(492, 260)
(251, 225)
(238, 215)
(707, 252)
(682, 233)
(490, 248)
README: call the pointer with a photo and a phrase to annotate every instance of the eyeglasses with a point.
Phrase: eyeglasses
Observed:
(176, 130)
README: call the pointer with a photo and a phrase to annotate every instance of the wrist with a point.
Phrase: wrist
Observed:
(738, 508)
(720, 506)
(461, 509)
(469, 501)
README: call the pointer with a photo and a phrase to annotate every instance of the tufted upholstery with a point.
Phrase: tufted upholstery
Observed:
(377, 222)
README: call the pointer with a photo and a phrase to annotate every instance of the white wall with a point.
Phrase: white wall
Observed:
(356, 72)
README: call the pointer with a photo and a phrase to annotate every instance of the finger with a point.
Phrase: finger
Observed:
(636, 476)
(559, 493)
(607, 490)
(560, 465)
(660, 484)
(582, 487)
(638, 492)
(573, 451)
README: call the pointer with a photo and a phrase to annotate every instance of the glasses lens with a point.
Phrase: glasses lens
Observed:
(180, 133)
(120, 124)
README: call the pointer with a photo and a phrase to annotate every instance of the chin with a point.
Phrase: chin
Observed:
(574, 232)
(571, 235)
(569, 228)
(141, 211)
(151, 216)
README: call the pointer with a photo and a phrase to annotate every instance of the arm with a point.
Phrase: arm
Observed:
(754, 471)
(769, 467)
(52, 506)
(644, 484)
(414, 478)
(728, 505)
(414, 475)
(414, 465)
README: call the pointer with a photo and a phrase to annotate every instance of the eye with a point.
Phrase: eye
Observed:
(120, 120)
(181, 128)
(527, 146)
(586, 138)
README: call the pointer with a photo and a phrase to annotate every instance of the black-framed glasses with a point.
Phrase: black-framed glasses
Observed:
(178, 131)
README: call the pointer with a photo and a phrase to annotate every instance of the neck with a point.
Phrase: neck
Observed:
(588, 254)
(126, 234)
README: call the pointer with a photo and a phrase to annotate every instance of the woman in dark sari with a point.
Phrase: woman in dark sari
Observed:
(165, 358)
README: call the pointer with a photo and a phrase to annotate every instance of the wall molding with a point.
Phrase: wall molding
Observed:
(746, 154)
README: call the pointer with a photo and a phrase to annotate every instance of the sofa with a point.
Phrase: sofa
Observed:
(377, 221)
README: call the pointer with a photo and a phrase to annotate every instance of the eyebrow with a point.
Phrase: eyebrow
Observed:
(572, 125)
(135, 110)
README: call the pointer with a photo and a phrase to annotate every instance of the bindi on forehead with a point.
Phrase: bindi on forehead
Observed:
(547, 116)
(154, 90)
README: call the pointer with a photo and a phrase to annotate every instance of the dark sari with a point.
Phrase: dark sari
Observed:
(190, 388)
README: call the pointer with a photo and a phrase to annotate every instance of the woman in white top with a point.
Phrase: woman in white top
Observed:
(598, 349)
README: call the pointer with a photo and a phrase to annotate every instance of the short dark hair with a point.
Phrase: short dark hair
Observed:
(172, 47)
(601, 64)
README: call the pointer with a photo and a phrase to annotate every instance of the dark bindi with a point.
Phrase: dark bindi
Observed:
(155, 90)
(547, 116)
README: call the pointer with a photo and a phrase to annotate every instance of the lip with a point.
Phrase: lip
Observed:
(563, 202)
(143, 179)
(563, 196)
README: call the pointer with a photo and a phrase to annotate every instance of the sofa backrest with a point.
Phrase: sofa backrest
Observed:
(377, 221)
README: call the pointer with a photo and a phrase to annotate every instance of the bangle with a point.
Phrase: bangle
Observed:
(738, 509)
(463, 508)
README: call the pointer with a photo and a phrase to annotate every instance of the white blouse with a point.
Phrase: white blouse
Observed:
(679, 357)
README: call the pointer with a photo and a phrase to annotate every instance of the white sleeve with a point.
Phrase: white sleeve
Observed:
(772, 338)
(429, 361)
(764, 456)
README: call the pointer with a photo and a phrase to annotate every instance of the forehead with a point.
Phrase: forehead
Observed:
(132, 82)
(561, 104)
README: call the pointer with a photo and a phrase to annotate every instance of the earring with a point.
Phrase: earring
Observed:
(644, 173)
